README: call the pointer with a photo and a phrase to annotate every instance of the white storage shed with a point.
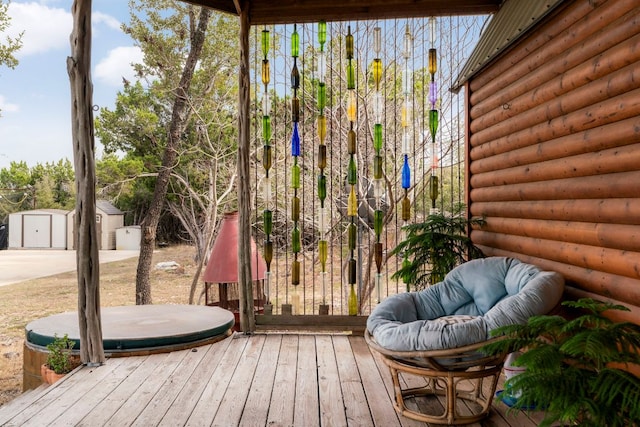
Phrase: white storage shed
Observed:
(38, 229)
(108, 220)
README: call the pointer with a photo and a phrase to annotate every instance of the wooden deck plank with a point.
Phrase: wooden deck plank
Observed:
(306, 397)
(234, 399)
(123, 391)
(351, 383)
(209, 402)
(169, 390)
(330, 393)
(257, 406)
(147, 390)
(58, 400)
(100, 391)
(272, 379)
(380, 404)
(12, 408)
(188, 397)
(281, 406)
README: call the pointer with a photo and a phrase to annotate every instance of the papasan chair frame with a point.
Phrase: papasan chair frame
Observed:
(444, 370)
(438, 333)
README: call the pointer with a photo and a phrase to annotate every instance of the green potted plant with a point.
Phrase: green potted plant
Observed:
(434, 247)
(59, 359)
(578, 370)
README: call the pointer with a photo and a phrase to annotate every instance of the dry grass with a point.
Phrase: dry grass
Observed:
(21, 303)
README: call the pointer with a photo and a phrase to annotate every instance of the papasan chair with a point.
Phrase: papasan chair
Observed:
(437, 333)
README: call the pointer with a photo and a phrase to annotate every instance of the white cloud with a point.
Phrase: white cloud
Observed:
(117, 64)
(6, 106)
(108, 20)
(45, 28)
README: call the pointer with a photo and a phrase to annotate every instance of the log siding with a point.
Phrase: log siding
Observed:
(554, 150)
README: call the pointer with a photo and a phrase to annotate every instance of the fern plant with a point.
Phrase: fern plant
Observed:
(435, 247)
(576, 369)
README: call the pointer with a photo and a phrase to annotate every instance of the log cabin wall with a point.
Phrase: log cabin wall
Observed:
(554, 150)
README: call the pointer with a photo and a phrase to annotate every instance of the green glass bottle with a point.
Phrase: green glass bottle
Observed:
(353, 301)
(266, 128)
(377, 167)
(322, 188)
(295, 176)
(295, 272)
(353, 234)
(265, 43)
(266, 157)
(352, 172)
(322, 156)
(406, 278)
(322, 249)
(322, 96)
(433, 123)
(295, 208)
(433, 187)
(295, 239)
(268, 253)
(322, 34)
(378, 216)
(349, 43)
(377, 137)
(295, 42)
(351, 75)
(267, 217)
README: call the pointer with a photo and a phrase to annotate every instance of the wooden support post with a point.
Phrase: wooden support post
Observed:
(79, 70)
(247, 315)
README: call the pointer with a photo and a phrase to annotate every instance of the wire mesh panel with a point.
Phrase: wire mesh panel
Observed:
(345, 155)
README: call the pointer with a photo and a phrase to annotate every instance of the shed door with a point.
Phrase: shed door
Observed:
(36, 230)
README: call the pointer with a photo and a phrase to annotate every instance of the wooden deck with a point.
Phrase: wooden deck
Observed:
(259, 380)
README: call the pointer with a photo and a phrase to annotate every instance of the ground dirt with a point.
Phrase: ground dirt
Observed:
(23, 302)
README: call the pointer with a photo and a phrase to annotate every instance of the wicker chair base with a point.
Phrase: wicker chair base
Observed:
(454, 374)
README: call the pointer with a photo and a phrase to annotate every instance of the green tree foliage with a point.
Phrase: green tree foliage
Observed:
(176, 124)
(40, 187)
(10, 45)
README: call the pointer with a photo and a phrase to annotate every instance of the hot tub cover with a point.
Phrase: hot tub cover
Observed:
(495, 291)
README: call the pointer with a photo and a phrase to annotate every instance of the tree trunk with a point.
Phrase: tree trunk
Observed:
(247, 317)
(179, 117)
(88, 272)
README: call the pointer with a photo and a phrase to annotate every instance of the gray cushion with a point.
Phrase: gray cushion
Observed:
(497, 291)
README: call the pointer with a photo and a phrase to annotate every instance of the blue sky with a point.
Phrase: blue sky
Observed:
(35, 126)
